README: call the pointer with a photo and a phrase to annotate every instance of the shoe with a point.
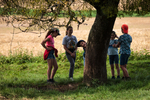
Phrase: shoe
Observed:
(123, 78)
(113, 77)
(118, 77)
(51, 81)
(71, 79)
(128, 78)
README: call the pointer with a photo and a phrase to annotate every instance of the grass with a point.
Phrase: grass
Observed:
(26, 79)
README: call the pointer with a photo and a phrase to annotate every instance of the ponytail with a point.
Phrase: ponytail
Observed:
(49, 33)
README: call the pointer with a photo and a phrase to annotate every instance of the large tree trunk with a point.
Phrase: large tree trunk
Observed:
(96, 51)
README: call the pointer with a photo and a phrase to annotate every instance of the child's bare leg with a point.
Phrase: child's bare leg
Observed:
(49, 62)
(122, 70)
(125, 65)
(55, 68)
(118, 69)
(125, 72)
(112, 69)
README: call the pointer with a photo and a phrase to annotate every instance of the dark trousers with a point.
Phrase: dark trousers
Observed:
(72, 63)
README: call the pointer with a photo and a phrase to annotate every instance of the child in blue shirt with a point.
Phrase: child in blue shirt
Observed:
(82, 43)
(124, 43)
(113, 55)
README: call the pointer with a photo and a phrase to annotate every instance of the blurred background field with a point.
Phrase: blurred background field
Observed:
(139, 29)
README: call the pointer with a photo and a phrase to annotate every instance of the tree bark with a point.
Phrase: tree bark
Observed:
(96, 50)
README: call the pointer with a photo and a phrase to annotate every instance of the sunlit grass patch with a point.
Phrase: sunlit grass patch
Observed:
(29, 80)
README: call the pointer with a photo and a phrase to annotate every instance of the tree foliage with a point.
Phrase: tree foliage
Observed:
(140, 7)
(44, 14)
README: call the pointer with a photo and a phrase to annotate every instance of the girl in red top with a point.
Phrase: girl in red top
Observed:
(49, 41)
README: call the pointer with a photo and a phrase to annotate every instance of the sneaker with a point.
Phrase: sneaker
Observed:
(123, 78)
(71, 79)
(113, 77)
(118, 77)
(128, 78)
(51, 81)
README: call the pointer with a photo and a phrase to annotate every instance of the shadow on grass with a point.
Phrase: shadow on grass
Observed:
(140, 78)
(138, 71)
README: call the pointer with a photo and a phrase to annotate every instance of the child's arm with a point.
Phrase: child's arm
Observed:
(72, 54)
(66, 49)
(116, 45)
(75, 45)
(75, 49)
(43, 44)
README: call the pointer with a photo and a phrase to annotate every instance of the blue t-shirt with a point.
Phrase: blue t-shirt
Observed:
(111, 49)
(84, 52)
(125, 41)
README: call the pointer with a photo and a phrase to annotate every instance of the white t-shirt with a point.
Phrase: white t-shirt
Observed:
(70, 42)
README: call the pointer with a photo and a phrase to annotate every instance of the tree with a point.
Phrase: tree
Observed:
(44, 14)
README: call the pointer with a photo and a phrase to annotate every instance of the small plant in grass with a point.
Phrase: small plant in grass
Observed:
(143, 54)
(79, 59)
(21, 56)
(62, 57)
(28, 79)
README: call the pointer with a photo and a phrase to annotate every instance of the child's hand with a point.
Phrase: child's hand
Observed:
(73, 55)
(114, 45)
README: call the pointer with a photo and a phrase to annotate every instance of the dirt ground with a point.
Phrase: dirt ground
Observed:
(139, 29)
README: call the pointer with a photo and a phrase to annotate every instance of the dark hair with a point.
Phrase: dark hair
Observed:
(52, 30)
(68, 28)
(113, 32)
(78, 44)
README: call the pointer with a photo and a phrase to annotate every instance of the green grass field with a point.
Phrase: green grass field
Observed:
(24, 77)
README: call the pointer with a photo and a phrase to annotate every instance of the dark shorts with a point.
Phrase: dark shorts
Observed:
(113, 58)
(51, 55)
(124, 59)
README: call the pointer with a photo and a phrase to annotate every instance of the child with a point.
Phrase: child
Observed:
(82, 43)
(113, 55)
(69, 44)
(124, 42)
(48, 54)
